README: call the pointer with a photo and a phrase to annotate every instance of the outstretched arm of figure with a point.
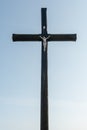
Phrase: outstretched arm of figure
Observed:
(48, 37)
(41, 37)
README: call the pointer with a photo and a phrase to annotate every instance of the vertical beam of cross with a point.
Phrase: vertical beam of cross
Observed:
(44, 75)
(44, 37)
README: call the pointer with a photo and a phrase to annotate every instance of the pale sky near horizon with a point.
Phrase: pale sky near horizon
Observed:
(20, 66)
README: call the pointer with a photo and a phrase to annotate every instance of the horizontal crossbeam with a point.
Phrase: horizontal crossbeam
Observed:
(37, 37)
(62, 37)
(26, 37)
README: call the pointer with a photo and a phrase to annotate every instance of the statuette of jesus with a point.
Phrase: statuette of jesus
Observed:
(44, 41)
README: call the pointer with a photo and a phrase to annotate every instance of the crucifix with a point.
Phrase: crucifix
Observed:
(44, 37)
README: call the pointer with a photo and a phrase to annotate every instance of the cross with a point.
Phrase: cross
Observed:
(44, 37)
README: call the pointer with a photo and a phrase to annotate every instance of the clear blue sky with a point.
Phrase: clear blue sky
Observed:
(20, 65)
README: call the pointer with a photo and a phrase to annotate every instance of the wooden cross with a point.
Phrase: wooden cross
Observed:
(44, 37)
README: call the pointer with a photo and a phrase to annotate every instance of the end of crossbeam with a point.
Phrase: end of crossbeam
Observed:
(74, 37)
(13, 37)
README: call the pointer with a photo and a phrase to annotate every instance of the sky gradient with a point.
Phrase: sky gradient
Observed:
(20, 66)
